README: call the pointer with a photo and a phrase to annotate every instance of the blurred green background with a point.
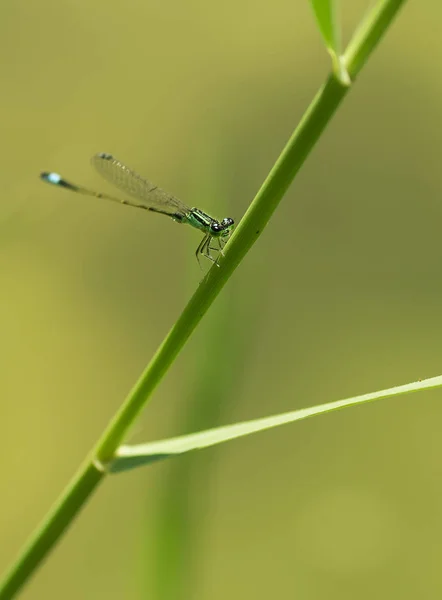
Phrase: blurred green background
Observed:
(340, 296)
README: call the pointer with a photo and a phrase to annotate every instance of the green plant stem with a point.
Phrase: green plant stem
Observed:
(256, 218)
(58, 519)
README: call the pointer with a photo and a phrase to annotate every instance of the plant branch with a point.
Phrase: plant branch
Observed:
(305, 136)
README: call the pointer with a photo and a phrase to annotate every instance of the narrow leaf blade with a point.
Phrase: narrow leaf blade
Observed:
(129, 457)
(326, 13)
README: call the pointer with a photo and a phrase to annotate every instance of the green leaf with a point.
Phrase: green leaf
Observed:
(326, 16)
(129, 457)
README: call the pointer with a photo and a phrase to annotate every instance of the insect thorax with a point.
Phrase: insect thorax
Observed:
(202, 221)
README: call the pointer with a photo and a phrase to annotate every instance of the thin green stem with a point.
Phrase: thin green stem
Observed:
(256, 218)
(369, 33)
(58, 519)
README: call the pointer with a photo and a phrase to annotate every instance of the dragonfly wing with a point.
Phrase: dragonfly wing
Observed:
(129, 181)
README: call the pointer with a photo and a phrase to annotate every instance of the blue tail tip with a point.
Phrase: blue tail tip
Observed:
(53, 178)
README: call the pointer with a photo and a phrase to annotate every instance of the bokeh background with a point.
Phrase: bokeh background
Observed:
(341, 295)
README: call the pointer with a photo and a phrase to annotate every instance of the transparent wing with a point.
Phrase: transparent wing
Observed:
(133, 184)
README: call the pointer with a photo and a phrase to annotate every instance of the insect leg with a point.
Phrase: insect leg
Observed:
(206, 249)
(199, 250)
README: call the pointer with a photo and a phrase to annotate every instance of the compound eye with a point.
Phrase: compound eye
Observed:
(227, 222)
(216, 227)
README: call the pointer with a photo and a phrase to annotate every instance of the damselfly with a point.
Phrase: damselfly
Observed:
(151, 197)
